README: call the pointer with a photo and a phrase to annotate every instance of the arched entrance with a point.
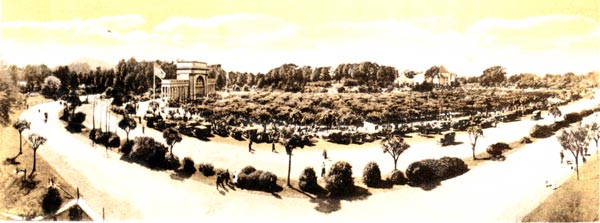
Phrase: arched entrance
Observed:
(200, 86)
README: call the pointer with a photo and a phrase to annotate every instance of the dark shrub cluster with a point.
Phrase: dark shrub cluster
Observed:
(126, 147)
(339, 179)
(497, 149)
(573, 117)
(308, 180)
(431, 170)
(541, 131)
(371, 174)
(559, 125)
(188, 165)
(397, 177)
(108, 139)
(150, 152)
(51, 201)
(206, 169)
(250, 178)
(171, 162)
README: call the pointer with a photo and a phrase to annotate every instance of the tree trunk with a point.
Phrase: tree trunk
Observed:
(289, 169)
(34, 162)
(473, 149)
(577, 166)
(20, 144)
(171, 150)
(395, 162)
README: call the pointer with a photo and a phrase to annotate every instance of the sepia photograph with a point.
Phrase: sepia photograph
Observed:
(300, 111)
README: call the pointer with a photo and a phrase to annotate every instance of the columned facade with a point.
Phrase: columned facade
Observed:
(192, 82)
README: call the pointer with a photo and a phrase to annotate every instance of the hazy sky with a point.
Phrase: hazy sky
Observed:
(466, 36)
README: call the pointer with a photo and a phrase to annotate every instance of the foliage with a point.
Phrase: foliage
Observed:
(397, 177)
(493, 76)
(206, 169)
(339, 179)
(573, 117)
(576, 141)
(395, 146)
(497, 149)
(308, 180)
(250, 178)
(172, 136)
(149, 151)
(541, 131)
(188, 165)
(51, 201)
(9, 98)
(127, 124)
(371, 174)
(50, 87)
(474, 133)
(432, 170)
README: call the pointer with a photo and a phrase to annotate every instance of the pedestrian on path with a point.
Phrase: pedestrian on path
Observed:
(250, 146)
(324, 153)
(562, 157)
(323, 170)
(273, 148)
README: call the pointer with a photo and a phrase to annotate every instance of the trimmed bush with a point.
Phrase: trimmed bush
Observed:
(541, 131)
(497, 149)
(51, 201)
(114, 140)
(126, 147)
(526, 140)
(397, 177)
(206, 169)
(559, 125)
(371, 174)
(188, 165)
(150, 152)
(267, 181)
(308, 180)
(171, 162)
(573, 117)
(431, 170)
(339, 179)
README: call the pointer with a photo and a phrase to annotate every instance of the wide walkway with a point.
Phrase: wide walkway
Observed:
(493, 191)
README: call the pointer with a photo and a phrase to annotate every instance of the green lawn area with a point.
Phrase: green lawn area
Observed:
(574, 201)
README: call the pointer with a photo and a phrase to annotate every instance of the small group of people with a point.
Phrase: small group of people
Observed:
(224, 179)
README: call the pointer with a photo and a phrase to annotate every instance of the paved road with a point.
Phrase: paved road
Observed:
(494, 191)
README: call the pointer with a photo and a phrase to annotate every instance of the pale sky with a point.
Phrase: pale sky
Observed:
(466, 36)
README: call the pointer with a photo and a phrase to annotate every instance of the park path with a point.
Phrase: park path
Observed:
(493, 191)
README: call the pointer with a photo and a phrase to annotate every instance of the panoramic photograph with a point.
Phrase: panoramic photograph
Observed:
(300, 111)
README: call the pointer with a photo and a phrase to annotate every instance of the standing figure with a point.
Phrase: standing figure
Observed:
(562, 157)
(324, 153)
(323, 170)
(273, 148)
(250, 146)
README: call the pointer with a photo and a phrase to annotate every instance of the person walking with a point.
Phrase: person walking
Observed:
(273, 148)
(562, 157)
(323, 170)
(250, 146)
(324, 153)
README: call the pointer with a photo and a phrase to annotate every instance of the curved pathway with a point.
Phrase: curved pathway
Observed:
(493, 191)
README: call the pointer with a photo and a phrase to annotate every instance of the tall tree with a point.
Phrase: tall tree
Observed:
(394, 145)
(9, 98)
(574, 140)
(172, 136)
(290, 144)
(51, 87)
(594, 134)
(555, 112)
(36, 141)
(493, 76)
(474, 133)
(127, 124)
(21, 125)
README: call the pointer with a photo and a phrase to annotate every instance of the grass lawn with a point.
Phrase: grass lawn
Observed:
(575, 200)
(24, 198)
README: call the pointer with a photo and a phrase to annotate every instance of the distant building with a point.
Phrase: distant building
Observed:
(192, 82)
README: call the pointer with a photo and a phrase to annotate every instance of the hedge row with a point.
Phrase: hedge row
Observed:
(250, 178)
(431, 170)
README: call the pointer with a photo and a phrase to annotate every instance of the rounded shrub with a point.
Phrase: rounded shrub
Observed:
(308, 180)
(171, 162)
(371, 174)
(541, 131)
(339, 179)
(126, 147)
(419, 172)
(431, 170)
(206, 169)
(267, 181)
(113, 140)
(559, 125)
(573, 117)
(51, 201)
(397, 177)
(497, 149)
(188, 165)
